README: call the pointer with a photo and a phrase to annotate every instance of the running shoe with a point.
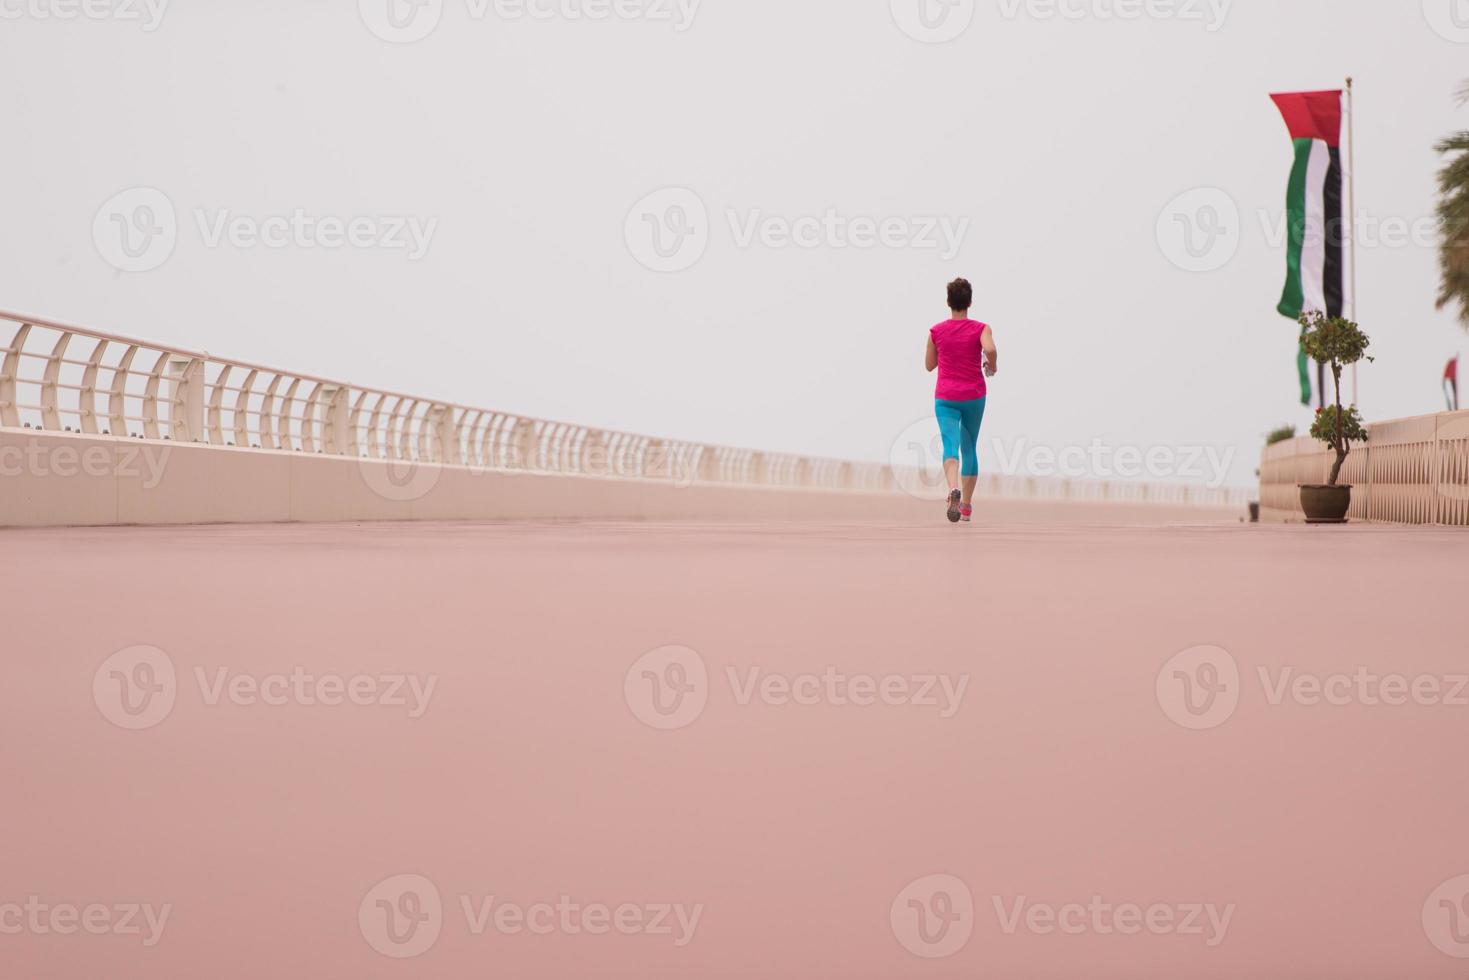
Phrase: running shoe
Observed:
(966, 514)
(954, 499)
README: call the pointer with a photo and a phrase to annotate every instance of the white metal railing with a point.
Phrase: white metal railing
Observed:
(56, 377)
(1410, 471)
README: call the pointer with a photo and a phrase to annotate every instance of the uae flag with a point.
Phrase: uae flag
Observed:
(1316, 233)
(1315, 264)
(1451, 384)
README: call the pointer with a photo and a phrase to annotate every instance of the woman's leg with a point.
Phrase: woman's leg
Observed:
(951, 427)
(971, 419)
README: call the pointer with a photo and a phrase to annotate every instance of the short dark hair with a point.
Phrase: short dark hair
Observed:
(961, 294)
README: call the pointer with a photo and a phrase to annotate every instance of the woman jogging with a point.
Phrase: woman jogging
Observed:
(963, 352)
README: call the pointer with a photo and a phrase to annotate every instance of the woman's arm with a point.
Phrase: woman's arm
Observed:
(991, 353)
(932, 358)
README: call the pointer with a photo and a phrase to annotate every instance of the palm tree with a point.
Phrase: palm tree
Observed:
(1453, 215)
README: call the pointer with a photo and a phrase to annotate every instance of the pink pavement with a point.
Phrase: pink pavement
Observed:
(902, 750)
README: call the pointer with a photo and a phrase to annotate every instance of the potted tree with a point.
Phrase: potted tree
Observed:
(1337, 343)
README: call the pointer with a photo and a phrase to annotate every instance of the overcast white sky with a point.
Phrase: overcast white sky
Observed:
(1060, 140)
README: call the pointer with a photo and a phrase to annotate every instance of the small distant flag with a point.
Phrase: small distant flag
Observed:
(1451, 384)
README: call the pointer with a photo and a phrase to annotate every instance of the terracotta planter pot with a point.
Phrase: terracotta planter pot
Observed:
(1325, 504)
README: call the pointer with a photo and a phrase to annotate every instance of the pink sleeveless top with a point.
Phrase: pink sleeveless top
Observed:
(961, 360)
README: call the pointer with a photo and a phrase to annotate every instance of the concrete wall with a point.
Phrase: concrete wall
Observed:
(62, 479)
(1410, 471)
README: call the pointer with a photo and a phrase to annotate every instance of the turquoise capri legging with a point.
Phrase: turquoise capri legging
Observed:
(959, 424)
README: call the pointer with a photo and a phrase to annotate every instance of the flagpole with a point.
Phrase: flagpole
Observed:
(1352, 212)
